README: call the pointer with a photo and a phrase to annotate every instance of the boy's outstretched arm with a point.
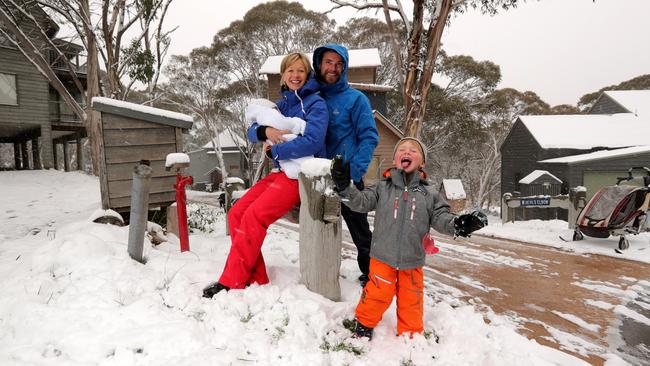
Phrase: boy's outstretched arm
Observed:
(359, 201)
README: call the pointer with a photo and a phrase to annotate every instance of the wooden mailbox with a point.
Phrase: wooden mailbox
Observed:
(131, 133)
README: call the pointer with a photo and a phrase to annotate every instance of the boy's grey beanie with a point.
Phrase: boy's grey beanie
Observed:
(420, 143)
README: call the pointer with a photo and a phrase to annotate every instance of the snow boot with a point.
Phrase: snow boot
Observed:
(363, 280)
(361, 330)
(214, 289)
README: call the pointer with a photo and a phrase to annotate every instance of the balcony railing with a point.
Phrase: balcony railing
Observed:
(60, 112)
(58, 63)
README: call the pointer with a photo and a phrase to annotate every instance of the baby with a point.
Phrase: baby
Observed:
(265, 113)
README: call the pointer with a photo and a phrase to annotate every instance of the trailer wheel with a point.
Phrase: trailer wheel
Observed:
(623, 243)
(577, 235)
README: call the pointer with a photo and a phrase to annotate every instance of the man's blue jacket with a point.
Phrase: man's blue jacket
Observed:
(351, 132)
(304, 103)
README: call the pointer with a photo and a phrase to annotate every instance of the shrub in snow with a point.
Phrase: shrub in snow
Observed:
(203, 218)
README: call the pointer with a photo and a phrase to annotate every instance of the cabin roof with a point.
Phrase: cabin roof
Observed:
(368, 57)
(598, 155)
(142, 112)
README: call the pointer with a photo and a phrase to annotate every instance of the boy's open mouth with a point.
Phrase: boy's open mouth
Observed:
(406, 162)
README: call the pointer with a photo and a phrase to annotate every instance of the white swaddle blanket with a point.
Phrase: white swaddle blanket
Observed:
(265, 113)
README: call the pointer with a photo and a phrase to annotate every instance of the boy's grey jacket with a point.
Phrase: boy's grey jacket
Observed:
(404, 214)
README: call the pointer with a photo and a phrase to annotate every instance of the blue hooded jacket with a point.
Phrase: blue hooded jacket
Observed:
(351, 132)
(303, 103)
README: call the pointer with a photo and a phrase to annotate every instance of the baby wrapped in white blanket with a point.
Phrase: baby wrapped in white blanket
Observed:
(266, 113)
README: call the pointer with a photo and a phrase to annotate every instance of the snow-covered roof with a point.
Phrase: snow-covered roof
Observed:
(143, 112)
(635, 101)
(454, 189)
(372, 87)
(586, 131)
(226, 140)
(530, 178)
(603, 154)
(368, 57)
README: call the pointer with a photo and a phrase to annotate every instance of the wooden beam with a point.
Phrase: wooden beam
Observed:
(101, 168)
(54, 151)
(24, 155)
(66, 158)
(79, 155)
(36, 155)
(17, 155)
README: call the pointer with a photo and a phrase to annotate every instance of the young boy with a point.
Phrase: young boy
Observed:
(407, 206)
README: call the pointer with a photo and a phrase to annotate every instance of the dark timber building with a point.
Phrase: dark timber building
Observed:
(588, 150)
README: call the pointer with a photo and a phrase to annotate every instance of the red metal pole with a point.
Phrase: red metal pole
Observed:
(181, 210)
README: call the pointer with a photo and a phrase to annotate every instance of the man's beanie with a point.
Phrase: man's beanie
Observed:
(423, 151)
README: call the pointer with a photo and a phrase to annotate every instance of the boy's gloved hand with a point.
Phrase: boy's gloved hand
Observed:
(465, 224)
(340, 173)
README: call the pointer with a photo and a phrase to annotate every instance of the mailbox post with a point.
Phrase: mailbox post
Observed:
(179, 161)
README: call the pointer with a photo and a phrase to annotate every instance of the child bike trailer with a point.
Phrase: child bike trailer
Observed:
(616, 210)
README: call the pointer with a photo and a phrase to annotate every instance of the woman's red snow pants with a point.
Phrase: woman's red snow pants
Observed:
(386, 282)
(264, 203)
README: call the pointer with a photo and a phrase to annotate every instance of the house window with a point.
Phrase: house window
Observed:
(8, 94)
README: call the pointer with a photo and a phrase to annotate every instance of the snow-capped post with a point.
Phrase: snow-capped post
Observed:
(578, 200)
(179, 161)
(320, 230)
(139, 209)
(233, 185)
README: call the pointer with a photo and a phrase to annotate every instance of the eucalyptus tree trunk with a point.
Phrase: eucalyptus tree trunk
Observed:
(420, 72)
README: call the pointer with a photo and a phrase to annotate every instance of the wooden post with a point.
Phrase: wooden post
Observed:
(36, 156)
(17, 162)
(320, 238)
(24, 154)
(230, 189)
(66, 158)
(172, 220)
(55, 147)
(80, 165)
(505, 210)
(577, 201)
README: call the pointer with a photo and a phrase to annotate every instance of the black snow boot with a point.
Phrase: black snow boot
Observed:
(361, 330)
(214, 289)
(363, 279)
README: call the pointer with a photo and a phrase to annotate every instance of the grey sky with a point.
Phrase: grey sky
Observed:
(560, 49)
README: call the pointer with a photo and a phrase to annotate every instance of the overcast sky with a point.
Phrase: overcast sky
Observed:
(560, 49)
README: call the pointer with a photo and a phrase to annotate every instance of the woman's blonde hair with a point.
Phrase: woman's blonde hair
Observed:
(290, 59)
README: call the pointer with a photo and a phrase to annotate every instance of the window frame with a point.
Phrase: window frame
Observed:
(15, 86)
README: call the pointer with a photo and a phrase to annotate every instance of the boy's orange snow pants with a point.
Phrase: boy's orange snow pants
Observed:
(386, 282)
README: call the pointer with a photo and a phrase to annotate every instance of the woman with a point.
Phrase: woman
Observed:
(272, 197)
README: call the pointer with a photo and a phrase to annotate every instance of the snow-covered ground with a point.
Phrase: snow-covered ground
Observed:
(548, 232)
(70, 295)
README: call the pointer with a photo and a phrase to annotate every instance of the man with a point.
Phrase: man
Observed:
(351, 133)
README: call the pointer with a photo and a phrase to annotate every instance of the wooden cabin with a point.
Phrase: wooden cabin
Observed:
(454, 193)
(362, 75)
(132, 133)
(540, 183)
